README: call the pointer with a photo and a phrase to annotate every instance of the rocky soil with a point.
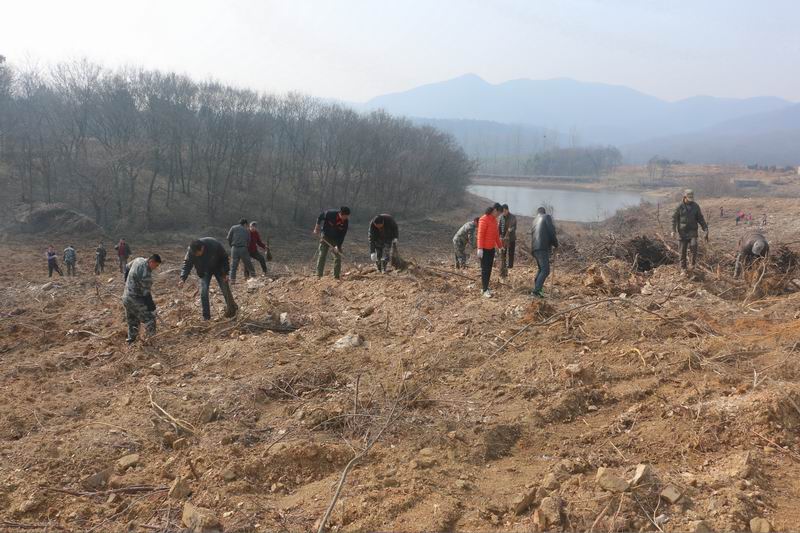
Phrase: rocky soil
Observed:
(627, 401)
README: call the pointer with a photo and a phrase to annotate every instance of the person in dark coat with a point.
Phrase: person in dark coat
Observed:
(331, 227)
(383, 237)
(543, 239)
(209, 259)
(685, 220)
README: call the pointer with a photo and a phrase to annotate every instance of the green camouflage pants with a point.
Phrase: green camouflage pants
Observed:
(136, 312)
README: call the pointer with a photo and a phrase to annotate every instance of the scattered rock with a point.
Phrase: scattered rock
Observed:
(699, 527)
(200, 520)
(426, 458)
(671, 494)
(610, 482)
(229, 475)
(462, 484)
(28, 505)
(522, 502)
(550, 482)
(549, 512)
(285, 321)
(47, 286)
(208, 413)
(367, 311)
(127, 461)
(351, 340)
(180, 489)
(98, 480)
(156, 367)
(643, 473)
(760, 525)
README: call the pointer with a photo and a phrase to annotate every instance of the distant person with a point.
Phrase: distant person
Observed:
(239, 240)
(488, 242)
(140, 308)
(70, 259)
(464, 237)
(123, 253)
(332, 228)
(99, 258)
(721, 212)
(764, 219)
(685, 221)
(253, 246)
(383, 236)
(52, 262)
(209, 259)
(543, 239)
(751, 247)
(508, 233)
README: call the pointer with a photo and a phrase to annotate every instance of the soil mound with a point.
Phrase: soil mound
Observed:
(56, 219)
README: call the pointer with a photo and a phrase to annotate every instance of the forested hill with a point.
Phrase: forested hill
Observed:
(143, 148)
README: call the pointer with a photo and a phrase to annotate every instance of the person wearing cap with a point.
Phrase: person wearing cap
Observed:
(751, 247)
(383, 236)
(239, 240)
(685, 221)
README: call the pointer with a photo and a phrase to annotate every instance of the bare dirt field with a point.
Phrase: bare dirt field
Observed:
(628, 400)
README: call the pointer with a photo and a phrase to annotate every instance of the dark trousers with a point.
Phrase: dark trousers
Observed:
(70, 268)
(543, 262)
(53, 266)
(99, 266)
(688, 244)
(122, 262)
(512, 248)
(258, 256)
(382, 251)
(230, 304)
(487, 262)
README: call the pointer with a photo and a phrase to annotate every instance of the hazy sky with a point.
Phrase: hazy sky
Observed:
(356, 49)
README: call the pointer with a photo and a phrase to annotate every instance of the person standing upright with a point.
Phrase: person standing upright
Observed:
(508, 233)
(52, 262)
(543, 239)
(253, 247)
(383, 235)
(209, 259)
(70, 259)
(331, 227)
(123, 253)
(685, 221)
(488, 242)
(239, 240)
(99, 258)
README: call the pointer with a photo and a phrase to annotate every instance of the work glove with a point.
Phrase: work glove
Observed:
(672, 234)
(336, 249)
(373, 256)
(395, 241)
(480, 253)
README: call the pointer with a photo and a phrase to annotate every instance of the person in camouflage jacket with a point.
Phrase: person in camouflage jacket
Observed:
(463, 237)
(137, 298)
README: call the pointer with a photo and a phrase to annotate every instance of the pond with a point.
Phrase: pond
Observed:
(581, 205)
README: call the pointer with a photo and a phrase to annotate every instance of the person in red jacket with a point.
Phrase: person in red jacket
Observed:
(488, 242)
(253, 246)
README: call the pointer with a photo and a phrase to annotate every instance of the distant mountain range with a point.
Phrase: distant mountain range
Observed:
(703, 128)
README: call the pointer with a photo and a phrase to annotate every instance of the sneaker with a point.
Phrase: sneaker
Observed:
(487, 294)
(537, 294)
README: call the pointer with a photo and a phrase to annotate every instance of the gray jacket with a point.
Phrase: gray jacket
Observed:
(139, 281)
(238, 236)
(543, 233)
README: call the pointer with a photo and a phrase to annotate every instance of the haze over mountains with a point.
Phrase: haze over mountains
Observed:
(698, 129)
